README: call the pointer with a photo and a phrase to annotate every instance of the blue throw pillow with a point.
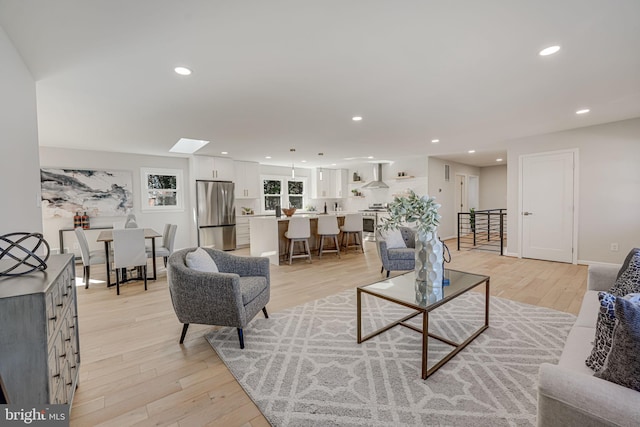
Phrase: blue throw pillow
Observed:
(623, 362)
(604, 331)
(629, 280)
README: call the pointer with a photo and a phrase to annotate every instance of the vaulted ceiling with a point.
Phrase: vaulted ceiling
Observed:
(273, 75)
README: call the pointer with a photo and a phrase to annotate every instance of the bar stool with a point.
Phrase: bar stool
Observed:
(299, 231)
(328, 227)
(352, 226)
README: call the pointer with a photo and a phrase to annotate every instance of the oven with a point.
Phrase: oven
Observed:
(371, 219)
(369, 224)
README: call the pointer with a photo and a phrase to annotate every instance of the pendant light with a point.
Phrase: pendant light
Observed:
(293, 169)
(320, 174)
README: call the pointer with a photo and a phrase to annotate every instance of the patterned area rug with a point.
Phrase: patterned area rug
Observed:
(303, 367)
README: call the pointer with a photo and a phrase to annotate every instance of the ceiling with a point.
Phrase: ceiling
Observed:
(270, 76)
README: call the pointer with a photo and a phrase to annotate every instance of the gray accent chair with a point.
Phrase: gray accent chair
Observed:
(397, 258)
(231, 297)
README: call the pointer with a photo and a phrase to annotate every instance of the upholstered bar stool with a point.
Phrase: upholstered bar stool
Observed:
(328, 227)
(352, 227)
(299, 231)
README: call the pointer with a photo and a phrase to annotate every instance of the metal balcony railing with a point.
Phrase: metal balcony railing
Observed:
(483, 230)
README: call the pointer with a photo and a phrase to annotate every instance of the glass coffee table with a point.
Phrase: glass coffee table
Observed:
(404, 291)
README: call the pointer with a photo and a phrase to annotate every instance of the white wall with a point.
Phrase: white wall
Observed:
(444, 192)
(493, 187)
(415, 167)
(19, 166)
(609, 185)
(81, 159)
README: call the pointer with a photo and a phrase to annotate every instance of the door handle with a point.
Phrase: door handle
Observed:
(527, 213)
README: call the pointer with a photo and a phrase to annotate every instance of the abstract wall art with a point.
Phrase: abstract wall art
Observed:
(96, 192)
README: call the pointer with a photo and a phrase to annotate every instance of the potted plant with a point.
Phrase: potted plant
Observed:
(472, 219)
(421, 213)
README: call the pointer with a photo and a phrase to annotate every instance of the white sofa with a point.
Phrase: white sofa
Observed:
(568, 393)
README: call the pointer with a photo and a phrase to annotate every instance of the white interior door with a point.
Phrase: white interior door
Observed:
(461, 201)
(461, 194)
(547, 217)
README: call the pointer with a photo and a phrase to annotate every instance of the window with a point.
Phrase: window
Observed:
(296, 194)
(161, 189)
(272, 194)
(283, 191)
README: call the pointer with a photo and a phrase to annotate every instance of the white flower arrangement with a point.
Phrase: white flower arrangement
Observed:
(412, 209)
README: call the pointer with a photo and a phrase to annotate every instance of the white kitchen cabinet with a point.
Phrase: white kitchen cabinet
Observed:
(242, 231)
(217, 168)
(341, 183)
(323, 183)
(247, 180)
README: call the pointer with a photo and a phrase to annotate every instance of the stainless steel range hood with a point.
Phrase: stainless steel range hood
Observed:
(377, 178)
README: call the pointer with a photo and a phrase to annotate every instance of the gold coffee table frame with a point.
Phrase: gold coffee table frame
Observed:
(401, 290)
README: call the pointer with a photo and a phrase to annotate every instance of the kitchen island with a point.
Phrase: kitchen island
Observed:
(267, 235)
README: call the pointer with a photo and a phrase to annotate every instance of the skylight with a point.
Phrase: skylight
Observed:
(188, 146)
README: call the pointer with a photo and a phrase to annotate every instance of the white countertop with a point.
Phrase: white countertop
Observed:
(303, 214)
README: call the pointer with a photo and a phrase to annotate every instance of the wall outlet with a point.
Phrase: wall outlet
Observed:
(614, 247)
(76, 246)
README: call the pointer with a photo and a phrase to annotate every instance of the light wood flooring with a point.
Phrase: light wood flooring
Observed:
(134, 372)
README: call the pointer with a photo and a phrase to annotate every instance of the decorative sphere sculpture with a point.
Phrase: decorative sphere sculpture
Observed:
(18, 253)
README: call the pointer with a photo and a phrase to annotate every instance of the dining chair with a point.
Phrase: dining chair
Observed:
(89, 257)
(352, 226)
(130, 222)
(168, 239)
(119, 224)
(328, 227)
(129, 251)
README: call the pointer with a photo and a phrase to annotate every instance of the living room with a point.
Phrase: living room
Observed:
(607, 141)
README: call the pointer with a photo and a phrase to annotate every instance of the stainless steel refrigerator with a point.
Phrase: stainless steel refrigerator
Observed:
(216, 214)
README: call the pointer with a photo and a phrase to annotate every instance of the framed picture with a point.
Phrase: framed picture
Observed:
(96, 192)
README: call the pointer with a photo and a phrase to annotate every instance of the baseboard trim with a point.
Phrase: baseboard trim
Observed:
(606, 264)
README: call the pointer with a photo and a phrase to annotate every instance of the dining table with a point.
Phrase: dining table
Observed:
(106, 236)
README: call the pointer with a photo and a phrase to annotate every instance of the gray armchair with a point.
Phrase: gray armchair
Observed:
(231, 297)
(397, 258)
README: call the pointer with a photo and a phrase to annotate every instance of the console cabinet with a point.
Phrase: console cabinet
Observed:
(40, 356)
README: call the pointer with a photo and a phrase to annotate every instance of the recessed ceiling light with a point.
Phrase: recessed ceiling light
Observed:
(267, 157)
(224, 152)
(356, 118)
(549, 50)
(498, 160)
(188, 146)
(370, 157)
(183, 71)
(435, 141)
(471, 151)
(304, 161)
(333, 164)
(583, 111)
